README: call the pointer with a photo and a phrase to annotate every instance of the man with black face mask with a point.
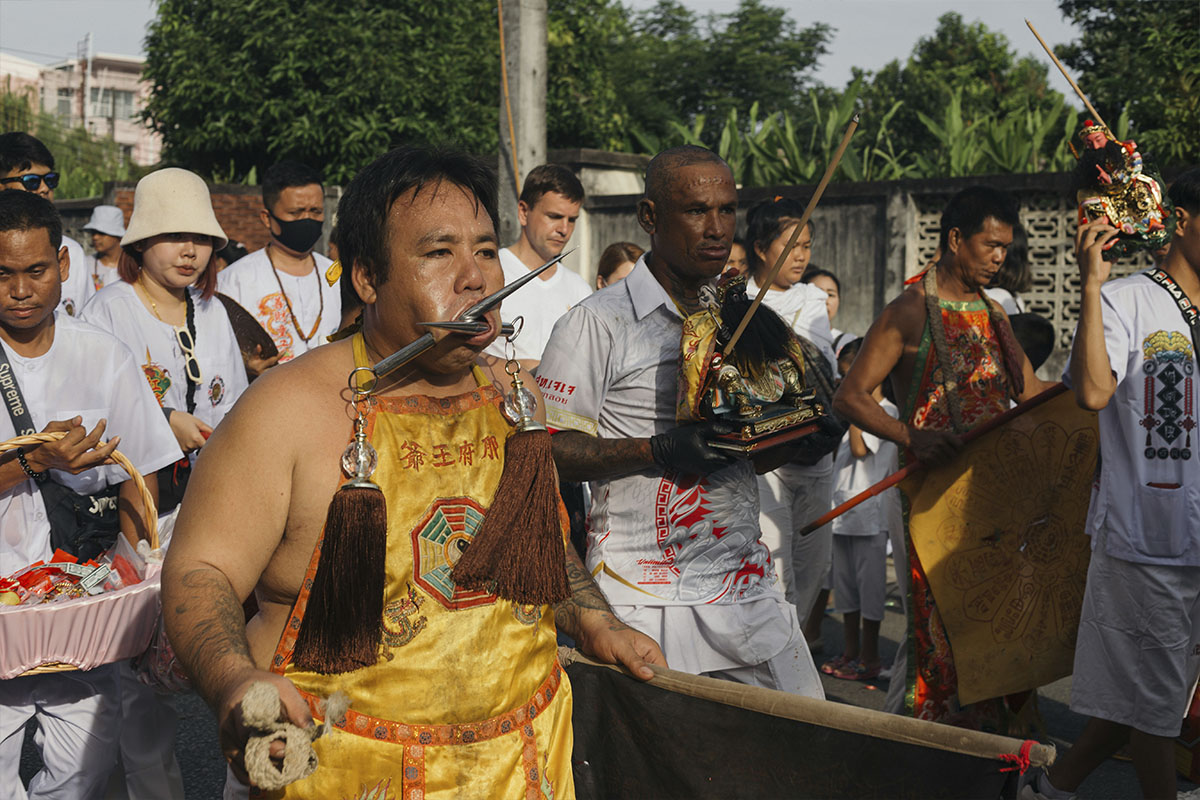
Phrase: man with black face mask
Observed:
(283, 285)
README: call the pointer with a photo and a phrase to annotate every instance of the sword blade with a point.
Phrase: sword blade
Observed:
(467, 322)
(458, 326)
(493, 300)
(404, 355)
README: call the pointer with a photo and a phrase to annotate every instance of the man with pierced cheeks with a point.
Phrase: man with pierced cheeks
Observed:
(455, 668)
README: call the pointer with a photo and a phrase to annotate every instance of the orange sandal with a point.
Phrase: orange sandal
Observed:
(835, 665)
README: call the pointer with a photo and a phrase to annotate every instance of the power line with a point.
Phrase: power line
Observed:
(59, 56)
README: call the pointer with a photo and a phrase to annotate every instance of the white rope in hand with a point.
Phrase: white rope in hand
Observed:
(262, 712)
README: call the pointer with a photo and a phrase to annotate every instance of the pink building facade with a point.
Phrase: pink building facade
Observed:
(104, 94)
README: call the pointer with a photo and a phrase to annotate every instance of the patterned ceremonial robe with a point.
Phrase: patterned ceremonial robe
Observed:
(467, 698)
(976, 359)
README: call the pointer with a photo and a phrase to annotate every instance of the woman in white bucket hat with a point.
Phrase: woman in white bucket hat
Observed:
(164, 308)
(106, 227)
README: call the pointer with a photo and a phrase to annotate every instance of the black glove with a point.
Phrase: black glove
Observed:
(821, 442)
(686, 448)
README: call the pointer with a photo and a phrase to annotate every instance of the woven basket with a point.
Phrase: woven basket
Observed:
(90, 607)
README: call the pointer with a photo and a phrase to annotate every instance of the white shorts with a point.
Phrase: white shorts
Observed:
(79, 718)
(860, 574)
(1136, 657)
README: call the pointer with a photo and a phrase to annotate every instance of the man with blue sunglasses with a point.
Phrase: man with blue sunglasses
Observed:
(27, 165)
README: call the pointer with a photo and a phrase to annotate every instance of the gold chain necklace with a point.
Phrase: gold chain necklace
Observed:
(288, 302)
(153, 305)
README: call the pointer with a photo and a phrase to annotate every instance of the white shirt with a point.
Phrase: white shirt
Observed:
(77, 289)
(1146, 501)
(117, 309)
(540, 302)
(655, 537)
(251, 281)
(852, 475)
(100, 274)
(86, 372)
(1007, 300)
(802, 307)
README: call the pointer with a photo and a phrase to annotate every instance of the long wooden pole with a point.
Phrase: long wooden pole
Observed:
(837, 716)
(896, 477)
(812, 204)
(1095, 114)
(512, 135)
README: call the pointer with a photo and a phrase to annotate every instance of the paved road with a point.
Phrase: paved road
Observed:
(1114, 780)
(204, 769)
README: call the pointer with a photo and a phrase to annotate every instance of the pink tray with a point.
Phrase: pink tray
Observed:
(84, 633)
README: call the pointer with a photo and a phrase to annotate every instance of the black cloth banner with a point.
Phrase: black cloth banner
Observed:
(634, 740)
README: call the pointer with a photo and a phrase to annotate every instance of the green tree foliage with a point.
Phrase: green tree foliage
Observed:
(1142, 58)
(962, 104)
(239, 84)
(17, 108)
(584, 39)
(679, 67)
(964, 67)
(83, 161)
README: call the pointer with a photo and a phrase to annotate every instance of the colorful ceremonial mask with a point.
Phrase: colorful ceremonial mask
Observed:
(1120, 190)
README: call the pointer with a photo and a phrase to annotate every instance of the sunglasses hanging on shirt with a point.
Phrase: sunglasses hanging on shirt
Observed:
(183, 337)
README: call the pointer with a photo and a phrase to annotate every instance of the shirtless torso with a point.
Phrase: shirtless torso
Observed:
(890, 347)
(259, 496)
(307, 395)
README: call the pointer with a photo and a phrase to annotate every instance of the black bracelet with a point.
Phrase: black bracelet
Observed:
(40, 477)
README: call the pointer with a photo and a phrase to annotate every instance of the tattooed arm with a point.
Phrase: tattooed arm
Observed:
(581, 457)
(230, 531)
(588, 619)
(205, 625)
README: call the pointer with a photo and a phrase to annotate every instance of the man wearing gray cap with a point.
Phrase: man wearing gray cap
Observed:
(106, 227)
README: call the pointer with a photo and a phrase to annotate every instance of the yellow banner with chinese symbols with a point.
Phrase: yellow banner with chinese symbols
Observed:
(1000, 534)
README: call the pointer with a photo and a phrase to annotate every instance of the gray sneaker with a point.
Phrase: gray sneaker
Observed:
(1029, 791)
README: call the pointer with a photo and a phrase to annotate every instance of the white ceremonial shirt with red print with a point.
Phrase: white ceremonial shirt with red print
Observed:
(657, 537)
(317, 306)
(678, 556)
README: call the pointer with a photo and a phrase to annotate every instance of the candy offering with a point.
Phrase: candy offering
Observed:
(64, 578)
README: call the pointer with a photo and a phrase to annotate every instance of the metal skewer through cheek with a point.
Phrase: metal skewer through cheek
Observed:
(469, 323)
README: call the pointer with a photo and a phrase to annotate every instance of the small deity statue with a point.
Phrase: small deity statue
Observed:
(1117, 189)
(762, 386)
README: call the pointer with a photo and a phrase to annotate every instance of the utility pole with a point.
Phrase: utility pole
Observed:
(524, 38)
(84, 53)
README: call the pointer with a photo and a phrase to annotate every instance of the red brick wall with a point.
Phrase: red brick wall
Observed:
(237, 211)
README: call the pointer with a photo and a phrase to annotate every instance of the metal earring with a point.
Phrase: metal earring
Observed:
(520, 405)
(359, 459)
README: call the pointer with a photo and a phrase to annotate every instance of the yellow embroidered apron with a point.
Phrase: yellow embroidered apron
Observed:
(467, 699)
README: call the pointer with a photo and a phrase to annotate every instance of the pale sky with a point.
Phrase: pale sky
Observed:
(868, 33)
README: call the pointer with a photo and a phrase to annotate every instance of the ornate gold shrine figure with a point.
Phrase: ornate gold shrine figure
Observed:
(764, 387)
(1116, 188)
